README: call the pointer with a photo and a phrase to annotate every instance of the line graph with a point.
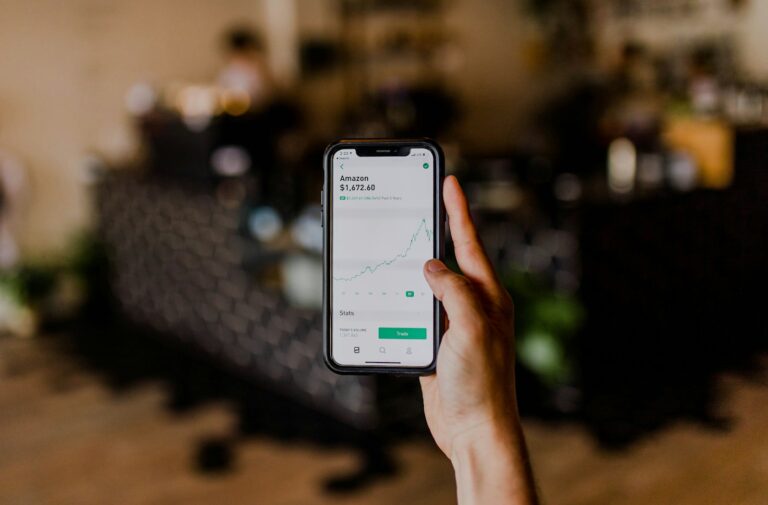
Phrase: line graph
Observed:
(370, 269)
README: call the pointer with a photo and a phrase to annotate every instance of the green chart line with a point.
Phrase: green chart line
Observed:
(369, 269)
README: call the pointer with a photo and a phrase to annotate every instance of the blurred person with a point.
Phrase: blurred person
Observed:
(246, 70)
(470, 403)
(12, 184)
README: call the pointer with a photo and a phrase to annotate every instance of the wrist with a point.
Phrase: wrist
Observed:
(496, 424)
(498, 436)
(491, 464)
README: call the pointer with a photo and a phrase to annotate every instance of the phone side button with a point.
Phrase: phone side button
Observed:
(322, 208)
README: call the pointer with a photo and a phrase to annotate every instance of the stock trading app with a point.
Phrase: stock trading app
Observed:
(382, 224)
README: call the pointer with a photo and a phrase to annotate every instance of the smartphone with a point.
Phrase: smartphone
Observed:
(383, 218)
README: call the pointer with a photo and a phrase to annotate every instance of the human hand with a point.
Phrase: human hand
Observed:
(470, 403)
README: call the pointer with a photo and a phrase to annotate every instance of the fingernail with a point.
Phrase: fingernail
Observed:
(435, 266)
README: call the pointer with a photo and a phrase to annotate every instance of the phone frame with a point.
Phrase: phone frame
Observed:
(438, 251)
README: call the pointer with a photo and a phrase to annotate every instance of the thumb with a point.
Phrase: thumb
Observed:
(457, 294)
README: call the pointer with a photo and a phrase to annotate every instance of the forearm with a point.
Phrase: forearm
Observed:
(492, 466)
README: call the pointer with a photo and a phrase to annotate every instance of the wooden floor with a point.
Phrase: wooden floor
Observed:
(67, 439)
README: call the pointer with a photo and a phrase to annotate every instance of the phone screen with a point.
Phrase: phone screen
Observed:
(382, 229)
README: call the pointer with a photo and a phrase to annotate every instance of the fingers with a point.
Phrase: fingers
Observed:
(470, 254)
(455, 291)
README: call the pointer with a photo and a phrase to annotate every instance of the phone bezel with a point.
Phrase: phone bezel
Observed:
(439, 249)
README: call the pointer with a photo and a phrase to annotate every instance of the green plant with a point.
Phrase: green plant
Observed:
(545, 323)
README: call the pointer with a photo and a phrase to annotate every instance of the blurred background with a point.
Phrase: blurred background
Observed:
(160, 243)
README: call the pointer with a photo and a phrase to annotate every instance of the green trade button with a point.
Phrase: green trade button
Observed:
(409, 294)
(403, 333)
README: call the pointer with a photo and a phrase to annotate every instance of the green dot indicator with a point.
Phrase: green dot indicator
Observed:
(425, 165)
(409, 294)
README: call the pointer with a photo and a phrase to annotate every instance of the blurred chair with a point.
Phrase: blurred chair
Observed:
(176, 262)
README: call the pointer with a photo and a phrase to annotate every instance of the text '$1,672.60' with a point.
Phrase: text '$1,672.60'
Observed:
(357, 187)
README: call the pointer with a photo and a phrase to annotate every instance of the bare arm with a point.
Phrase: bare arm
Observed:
(470, 403)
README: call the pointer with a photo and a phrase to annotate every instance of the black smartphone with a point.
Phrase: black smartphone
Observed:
(383, 218)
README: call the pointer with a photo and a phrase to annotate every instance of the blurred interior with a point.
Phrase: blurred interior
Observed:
(160, 242)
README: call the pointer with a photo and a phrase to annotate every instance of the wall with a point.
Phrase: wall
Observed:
(753, 38)
(493, 78)
(64, 69)
(42, 69)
